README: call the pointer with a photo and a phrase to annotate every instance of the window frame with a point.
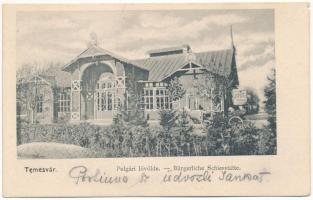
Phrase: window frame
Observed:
(155, 97)
(148, 98)
(162, 98)
(39, 103)
(64, 102)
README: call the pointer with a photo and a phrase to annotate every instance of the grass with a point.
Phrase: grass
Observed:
(53, 151)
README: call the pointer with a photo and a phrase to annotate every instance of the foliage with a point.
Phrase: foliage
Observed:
(266, 142)
(235, 139)
(183, 122)
(28, 70)
(252, 105)
(244, 142)
(30, 94)
(178, 139)
(176, 89)
(131, 111)
(270, 109)
(167, 119)
(31, 86)
(215, 129)
(270, 102)
(208, 83)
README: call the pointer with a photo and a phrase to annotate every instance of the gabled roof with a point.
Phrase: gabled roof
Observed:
(218, 62)
(94, 51)
(161, 67)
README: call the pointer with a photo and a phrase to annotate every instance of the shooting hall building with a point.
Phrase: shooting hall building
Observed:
(96, 83)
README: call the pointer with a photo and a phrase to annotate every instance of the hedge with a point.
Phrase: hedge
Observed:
(137, 141)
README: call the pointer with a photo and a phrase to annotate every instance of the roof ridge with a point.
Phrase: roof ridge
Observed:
(211, 51)
(104, 51)
(178, 55)
(159, 57)
(83, 51)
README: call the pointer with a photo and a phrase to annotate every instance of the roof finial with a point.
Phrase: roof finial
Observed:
(231, 36)
(93, 41)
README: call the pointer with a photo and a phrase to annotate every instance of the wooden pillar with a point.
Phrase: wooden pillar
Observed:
(154, 99)
(75, 96)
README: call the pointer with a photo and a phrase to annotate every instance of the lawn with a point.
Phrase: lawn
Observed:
(53, 151)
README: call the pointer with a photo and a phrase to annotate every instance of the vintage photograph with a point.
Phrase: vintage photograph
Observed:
(145, 83)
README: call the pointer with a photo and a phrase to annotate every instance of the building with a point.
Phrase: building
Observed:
(44, 98)
(96, 83)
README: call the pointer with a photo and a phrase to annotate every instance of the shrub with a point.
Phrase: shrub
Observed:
(267, 142)
(225, 139)
(167, 119)
(184, 122)
(128, 140)
(244, 142)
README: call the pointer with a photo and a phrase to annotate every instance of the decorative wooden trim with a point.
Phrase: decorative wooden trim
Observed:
(75, 86)
(75, 116)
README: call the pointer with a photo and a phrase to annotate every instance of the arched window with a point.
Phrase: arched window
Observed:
(106, 98)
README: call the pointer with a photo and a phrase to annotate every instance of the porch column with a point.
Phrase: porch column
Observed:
(75, 97)
(120, 90)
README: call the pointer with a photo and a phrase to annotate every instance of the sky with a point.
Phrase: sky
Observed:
(45, 37)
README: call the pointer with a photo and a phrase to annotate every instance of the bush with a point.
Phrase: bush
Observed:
(235, 139)
(167, 119)
(128, 140)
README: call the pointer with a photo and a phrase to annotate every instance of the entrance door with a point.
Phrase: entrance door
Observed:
(104, 104)
(104, 97)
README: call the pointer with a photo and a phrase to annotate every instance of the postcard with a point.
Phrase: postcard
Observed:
(156, 100)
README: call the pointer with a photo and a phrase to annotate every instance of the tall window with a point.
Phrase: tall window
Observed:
(196, 102)
(156, 96)
(162, 98)
(117, 103)
(64, 102)
(39, 103)
(109, 100)
(148, 98)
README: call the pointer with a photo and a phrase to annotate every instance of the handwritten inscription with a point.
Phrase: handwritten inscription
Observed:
(81, 174)
(210, 176)
(230, 177)
(183, 177)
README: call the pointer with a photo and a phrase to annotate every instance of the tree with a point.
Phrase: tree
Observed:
(167, 119)
(184, 129)
(183, 122)
(270, 109)
(208, 83)
(29, 89)
(217, 137)
(176, 89)
(244, 141)
(252, 105)
(131, 111)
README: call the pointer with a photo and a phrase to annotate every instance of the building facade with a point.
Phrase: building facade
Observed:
(96, 84)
